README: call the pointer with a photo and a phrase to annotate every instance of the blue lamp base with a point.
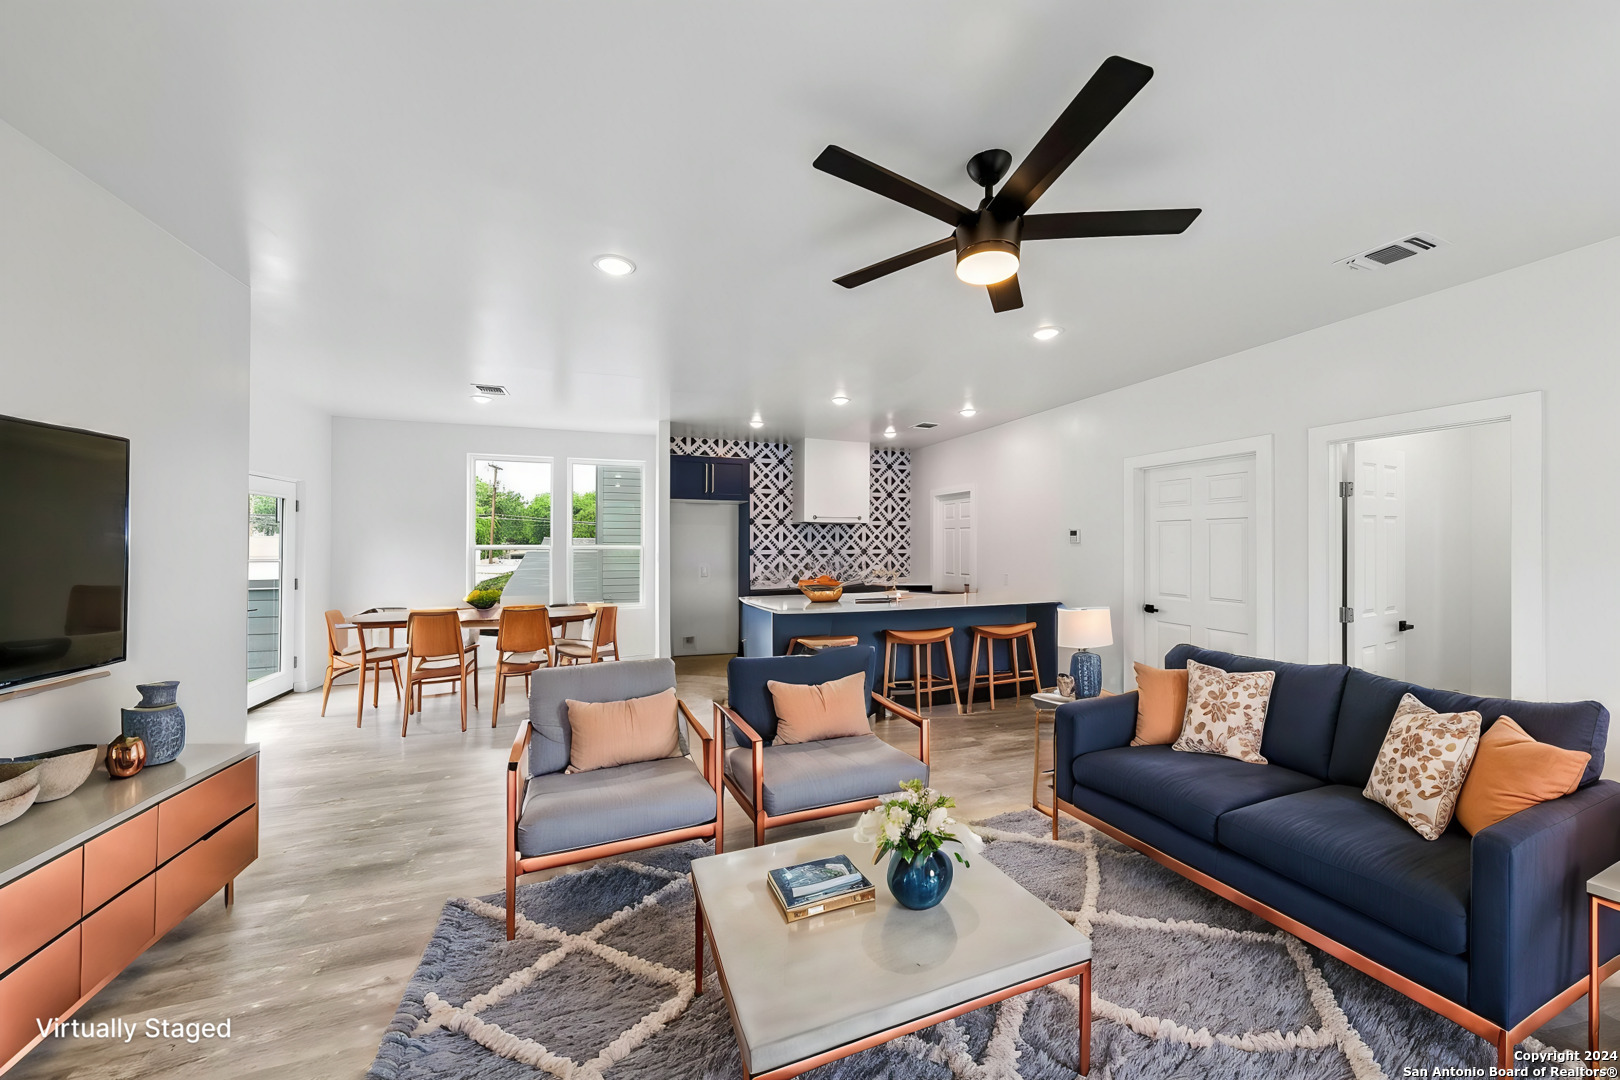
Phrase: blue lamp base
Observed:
(1085, 668)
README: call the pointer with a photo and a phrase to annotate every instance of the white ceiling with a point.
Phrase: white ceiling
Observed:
(415, 191)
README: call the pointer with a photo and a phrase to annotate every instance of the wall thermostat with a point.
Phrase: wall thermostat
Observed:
(1074, 536)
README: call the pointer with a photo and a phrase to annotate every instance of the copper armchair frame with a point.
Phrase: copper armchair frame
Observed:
(517, 865)
(753, 803)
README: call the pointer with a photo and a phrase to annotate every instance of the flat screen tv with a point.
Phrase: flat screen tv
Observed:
(64, 550)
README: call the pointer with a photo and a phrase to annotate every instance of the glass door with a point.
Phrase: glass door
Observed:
(271, 588)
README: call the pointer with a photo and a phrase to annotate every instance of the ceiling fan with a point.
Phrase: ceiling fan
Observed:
(987, 239)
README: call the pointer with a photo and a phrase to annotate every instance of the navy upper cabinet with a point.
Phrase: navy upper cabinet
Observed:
(692, 477)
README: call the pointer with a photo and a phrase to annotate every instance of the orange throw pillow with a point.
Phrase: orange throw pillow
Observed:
(1161, 705)
(829, 710)
(603, 734)
(1514, 772)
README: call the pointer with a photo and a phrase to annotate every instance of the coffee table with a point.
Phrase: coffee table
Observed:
(806, 993)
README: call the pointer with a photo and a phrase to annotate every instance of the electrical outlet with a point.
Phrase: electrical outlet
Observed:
(688, 641)
(703, 570)
(1004, 578)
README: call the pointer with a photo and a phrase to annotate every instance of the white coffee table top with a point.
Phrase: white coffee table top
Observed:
(799, 989)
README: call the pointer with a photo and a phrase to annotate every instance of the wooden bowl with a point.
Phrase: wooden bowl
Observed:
(822, 594)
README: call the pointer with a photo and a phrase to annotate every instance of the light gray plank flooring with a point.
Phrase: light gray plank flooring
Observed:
(364, 835)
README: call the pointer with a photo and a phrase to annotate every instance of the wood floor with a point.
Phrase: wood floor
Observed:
(364, 835)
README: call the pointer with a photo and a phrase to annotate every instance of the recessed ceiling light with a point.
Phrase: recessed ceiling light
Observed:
(614, 265)
(968, 410)
(482, 399)
(889, 432)
(840, 399)
(1047, 333)
(756, 422)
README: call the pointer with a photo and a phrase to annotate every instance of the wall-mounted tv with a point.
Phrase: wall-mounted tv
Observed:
(64, 550)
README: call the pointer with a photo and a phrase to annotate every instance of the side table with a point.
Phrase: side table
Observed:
(1046, 706)
(1602, 891)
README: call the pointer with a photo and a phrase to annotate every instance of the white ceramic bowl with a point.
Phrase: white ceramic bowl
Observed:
(61, 772)
(19, 787)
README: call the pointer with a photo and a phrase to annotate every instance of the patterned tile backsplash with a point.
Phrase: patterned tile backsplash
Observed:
(781, 549)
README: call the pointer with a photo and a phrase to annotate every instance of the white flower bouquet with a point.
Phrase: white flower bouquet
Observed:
(915, 822)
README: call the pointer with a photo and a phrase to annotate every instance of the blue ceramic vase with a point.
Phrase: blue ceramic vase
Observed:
(158, 722)
(1085, 668)
(920, 883)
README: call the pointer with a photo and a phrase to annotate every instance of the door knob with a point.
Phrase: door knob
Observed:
(1150, 609)
(1403, 626)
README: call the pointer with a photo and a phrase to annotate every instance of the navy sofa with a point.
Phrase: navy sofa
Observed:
(1489, 930)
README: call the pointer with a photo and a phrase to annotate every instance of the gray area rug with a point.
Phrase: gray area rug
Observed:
(599, 984)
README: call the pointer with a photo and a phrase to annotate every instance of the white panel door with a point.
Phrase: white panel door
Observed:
(956, 541)
(1200, 558)
(1377, 559)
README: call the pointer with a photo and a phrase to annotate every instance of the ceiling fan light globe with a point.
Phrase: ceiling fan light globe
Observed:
(987, 263)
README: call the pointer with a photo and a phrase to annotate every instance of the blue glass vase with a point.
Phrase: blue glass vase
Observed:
(1085, 668)
(920, 883)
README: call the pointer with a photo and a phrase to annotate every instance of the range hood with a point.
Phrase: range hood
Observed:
(832, 482)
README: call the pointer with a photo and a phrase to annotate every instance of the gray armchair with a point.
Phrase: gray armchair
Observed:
(777, 784)
(554, 818)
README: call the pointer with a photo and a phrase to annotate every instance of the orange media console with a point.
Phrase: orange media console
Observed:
(89, 882)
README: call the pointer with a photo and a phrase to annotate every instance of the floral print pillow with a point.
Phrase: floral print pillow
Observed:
(1422, 765)
(1226, 712)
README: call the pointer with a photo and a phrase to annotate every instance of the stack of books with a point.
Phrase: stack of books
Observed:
(824, 885)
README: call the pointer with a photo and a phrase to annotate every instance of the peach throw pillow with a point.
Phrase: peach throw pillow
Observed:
(603, 734)
(829, 710)
(1161, 705)
(1514, 772)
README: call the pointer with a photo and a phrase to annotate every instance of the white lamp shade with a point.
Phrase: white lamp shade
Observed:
(1084, 628)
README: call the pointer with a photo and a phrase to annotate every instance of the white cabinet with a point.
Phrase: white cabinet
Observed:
(832, 481)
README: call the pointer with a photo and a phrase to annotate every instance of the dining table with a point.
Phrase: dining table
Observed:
(392, 619)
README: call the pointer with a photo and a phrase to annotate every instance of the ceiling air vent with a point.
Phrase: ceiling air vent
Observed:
(925, 425)
(1380, 257)
(489, 389)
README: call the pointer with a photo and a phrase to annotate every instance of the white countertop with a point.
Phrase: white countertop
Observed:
(801, 605)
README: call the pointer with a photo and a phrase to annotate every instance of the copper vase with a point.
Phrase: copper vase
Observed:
(125, 756)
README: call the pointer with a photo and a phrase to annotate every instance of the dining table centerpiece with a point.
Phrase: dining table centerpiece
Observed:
(912, 827)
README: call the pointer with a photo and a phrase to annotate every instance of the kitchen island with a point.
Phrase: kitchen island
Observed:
(770, 622)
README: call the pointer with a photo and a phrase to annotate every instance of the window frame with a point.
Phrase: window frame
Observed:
(471, 545)
(640, 549)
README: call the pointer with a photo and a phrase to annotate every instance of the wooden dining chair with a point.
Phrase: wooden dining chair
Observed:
(436, 653)
(604, 640)
(343, 657)
(523, 645)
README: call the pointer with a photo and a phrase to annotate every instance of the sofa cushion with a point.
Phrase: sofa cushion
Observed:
(1332, 840)
(1304, 707)
(565, 811)
(748, 679)
(802, 776)
(552, 689)
(1190, 791)
(1369, 705)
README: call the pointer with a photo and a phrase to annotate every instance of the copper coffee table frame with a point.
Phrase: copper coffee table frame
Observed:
(1082, 971)
(1599, 971)
(1503, 1039)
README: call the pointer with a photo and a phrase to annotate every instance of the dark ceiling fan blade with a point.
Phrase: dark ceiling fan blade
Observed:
(899, 262)
(839, 162)
(1107, 223)
(1006, 295)
(1108, 91)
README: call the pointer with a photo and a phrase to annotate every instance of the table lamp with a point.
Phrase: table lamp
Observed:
(1083, 629)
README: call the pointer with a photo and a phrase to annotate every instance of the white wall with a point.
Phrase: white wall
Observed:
(109, 323)
(1458, 528)
(703, 606)
(400, 509)
(1553, 326)
(290, 439)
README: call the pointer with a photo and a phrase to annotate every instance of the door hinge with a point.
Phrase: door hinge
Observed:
(295, 584)
(295, 663)
(297, 506)
(1347, 615)
(1347, 488)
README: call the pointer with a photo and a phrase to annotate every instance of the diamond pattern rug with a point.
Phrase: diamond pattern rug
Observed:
(599, 986)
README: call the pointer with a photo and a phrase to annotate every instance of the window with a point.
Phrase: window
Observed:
(511, 528)
(606, 546)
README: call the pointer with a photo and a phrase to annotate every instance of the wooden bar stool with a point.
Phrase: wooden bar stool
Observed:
(814, 643)
(923, 680)
(1011, 633)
